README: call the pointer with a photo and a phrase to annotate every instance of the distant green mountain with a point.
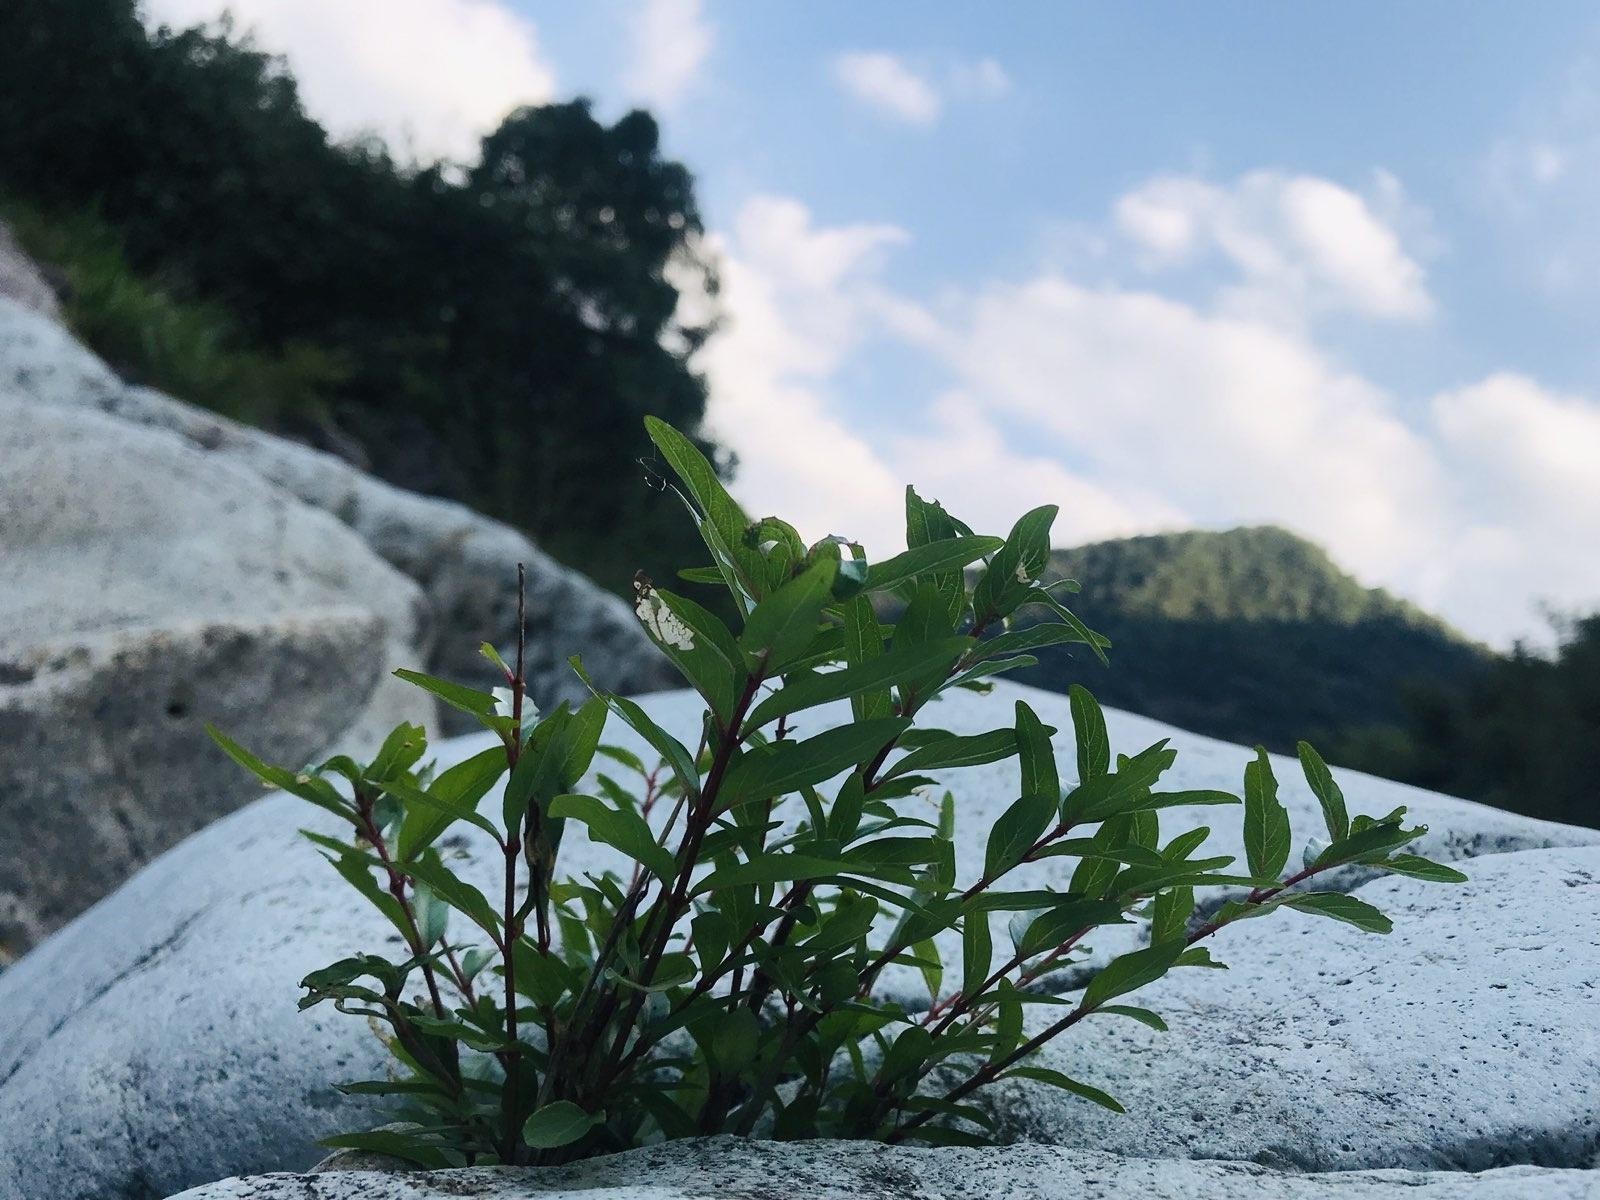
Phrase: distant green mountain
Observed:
(1254, 635)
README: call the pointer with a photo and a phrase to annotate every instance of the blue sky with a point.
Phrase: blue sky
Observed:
(1166, 265)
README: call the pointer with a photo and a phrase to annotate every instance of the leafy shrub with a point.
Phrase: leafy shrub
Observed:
(154, 336)
(727, 983)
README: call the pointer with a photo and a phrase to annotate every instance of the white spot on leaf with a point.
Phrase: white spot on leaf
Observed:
(662, 623)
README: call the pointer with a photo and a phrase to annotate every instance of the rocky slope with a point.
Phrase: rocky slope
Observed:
(166, 567)
(728, 1169)
(156, 1044)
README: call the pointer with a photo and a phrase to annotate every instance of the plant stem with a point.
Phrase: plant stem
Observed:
(397, 889)
(511, 1060)
(669, 907)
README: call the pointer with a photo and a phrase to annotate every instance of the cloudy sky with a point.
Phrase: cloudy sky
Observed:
(1170, 265)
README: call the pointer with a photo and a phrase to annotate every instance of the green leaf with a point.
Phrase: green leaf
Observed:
(626, 831)
(580, 740)
(1096, 642)
(1057, 1080)
(663, 743)
(946, 555)
(1143, 1015)
(1123, 791)
(457, 893)
(1326, 790)
(452, 797)
(397, 1143)
(725, 522)
(1008, 579)
(559, 1124)
(1421, 868)
(783, 626)
(537, 775)
(1089, 730)
(771, 868)
(1266, 821)
(928, 522)
(1018, 828)
(1008, 1022)
(733, 1042)
(977, 951)
(401, 750)
(863, 642)
(954, 751)
(1129, 972)
(697, 643)
(1157, 800)
(1063, 920)
(929, 962)
(1341, 907)
(1370, 841)
(316, 791)
(1034, 637)
(783, 767)
(468, 700)
(1170, 916)
(1036, 756)
(889, 667)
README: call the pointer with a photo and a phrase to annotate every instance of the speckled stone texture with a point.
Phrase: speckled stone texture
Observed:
(1468, 1038)
(149, 588)
(726, 1169)
(465, 563)
(156, 1046)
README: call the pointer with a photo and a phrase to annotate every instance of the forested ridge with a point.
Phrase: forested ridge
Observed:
(1255, 635)
(491, 331)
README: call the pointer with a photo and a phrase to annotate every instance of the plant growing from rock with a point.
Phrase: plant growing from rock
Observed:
(728, 981)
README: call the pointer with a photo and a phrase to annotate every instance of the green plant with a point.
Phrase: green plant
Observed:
(153, 336)
(727, 983)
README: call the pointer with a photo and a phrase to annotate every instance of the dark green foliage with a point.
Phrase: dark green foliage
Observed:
(470, 321)
(1251, 635)
(726, 981)
(1522, 733)
(150, 336)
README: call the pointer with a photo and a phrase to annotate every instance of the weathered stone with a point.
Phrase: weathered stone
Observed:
(1465, 1039)
(22, 281)
(465, 562)
(730, 1169)
(148, 589)
(155, 1042)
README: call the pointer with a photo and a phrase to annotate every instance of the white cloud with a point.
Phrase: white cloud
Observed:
(669, 41)
(1219, 418)
(885, 83)
(916, 95)
(798, 299)
(984, 79)
(1524, 465)
(1135, 412)
(1300, 244)
(801, 300)
(431, 76)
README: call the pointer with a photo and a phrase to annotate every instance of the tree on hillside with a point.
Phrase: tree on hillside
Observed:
(1523, 735)
(500, 328)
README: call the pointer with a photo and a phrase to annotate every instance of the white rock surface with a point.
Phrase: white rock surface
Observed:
(150, 588)
(154, 1042)
(1466, 1039)
(465, 562)
(727, 1169)
(21, 279)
